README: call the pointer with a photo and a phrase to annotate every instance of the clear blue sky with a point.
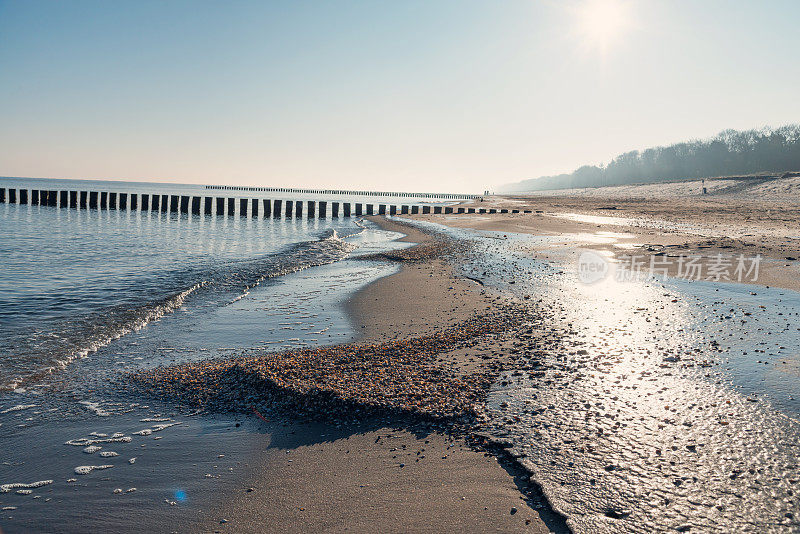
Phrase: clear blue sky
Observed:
(402, 95)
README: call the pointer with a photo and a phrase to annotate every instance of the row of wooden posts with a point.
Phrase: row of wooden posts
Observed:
(352, 192)
(254, 207)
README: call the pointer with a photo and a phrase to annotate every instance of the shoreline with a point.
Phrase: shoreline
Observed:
(652, 229)
(413, 473)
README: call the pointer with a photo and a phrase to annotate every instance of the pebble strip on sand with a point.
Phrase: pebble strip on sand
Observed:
(401, 377)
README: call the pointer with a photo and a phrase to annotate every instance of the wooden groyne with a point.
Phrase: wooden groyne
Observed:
(350, 192)
(223, 206)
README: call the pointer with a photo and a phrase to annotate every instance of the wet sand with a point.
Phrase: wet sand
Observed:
(660, 227)
(639, 369)
(367, 475)
(387, 469)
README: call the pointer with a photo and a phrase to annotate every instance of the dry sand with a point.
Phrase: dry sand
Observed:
(781, 189)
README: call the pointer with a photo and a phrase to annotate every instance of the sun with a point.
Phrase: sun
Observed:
(600, 24)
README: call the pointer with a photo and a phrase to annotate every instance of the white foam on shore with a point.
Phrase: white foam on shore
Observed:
(91, 449)
(156, 428)
(5, 488)
(85, 442)
(95, 407)
(108, 454)
(86, 469)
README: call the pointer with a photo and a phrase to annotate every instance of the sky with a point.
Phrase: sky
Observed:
(430, 95)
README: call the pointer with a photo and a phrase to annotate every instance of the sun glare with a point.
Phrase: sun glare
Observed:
(602, 23)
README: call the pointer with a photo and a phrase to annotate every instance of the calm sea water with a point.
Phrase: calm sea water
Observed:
(87, 296)
(76, 281)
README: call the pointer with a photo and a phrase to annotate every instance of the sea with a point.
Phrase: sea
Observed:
(89, 295)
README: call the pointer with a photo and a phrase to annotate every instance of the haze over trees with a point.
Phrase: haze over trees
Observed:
(731, 152)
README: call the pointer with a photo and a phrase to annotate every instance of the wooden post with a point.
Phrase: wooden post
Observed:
(426, 209)
(12, 196)
(437, 209)
(370, 209)
(346, 207)
(335, 209)
(123, 201)
(323, 207)
(231, 207)
(164, 203)
(267, 207)
(112, 201)
(289, 209)
(298, 209)
(145, 202)
(34, 196)
(196, 205)
(254, 207)
(2, 195)
(381, 209)
(103, 200)
(242, 207)
(23, 196)
(134, 201)
(311, 205)
(276, 208)
(92, 200)
(359, 209)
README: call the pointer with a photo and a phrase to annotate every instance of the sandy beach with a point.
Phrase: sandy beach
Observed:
(410, 461)
(406, 400)
(415, 426)
(762, 219)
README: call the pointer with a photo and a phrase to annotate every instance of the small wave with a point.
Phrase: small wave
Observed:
(327, 249)
(226, 282)
(121, 323)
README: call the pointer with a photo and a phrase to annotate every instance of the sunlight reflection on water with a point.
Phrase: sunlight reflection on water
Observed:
(649, 411)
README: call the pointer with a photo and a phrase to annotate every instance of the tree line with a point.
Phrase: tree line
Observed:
(731, 152)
